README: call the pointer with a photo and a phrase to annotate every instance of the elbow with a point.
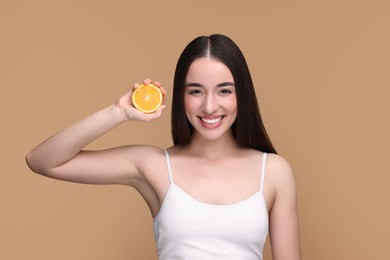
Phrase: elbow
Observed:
(33, 164)
(30, 162)
(39, 166)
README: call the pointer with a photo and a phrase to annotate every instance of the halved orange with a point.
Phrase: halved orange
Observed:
(147, 98)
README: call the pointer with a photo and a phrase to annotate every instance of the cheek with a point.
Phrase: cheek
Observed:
(233, 103)
(188, 108)
(190, 104)
(233, 107)
(186, 105)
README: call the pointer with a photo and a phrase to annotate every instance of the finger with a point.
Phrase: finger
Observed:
(163, 91)
(160, 110)
(147, 81)
(128, 93)
(157, 84)
(162, 107)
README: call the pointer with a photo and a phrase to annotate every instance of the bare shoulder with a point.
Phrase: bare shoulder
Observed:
(137, 155)
(278, 164)
(279, 172)
(146, 150)
(149, 161)
(144, 155)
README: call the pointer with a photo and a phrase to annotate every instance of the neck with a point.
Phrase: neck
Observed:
(213, 149)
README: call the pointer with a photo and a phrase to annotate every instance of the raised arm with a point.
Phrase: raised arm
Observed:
(61, 156)
(284, 225)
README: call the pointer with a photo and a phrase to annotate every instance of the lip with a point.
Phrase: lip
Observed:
(211, 121)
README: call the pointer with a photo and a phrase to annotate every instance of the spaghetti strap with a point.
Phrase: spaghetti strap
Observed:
(263, 171)
(169, 166)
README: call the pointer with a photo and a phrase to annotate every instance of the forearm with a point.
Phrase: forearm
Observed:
(67, 143)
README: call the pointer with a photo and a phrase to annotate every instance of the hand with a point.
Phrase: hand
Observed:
(126, 107)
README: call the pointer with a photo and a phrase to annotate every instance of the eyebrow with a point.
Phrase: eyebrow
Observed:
(222, 84)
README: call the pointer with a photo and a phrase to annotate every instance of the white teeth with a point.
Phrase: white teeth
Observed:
(211, 121)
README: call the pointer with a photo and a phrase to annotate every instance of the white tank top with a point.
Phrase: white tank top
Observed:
(186, 228)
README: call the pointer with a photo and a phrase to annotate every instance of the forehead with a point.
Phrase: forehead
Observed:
(208, 71)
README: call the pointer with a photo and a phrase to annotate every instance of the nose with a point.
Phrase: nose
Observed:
(210, 104)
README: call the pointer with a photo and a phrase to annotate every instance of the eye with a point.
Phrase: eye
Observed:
(195, 92)
(225, 91)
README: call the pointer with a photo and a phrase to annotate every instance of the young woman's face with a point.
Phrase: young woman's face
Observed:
(210, 98)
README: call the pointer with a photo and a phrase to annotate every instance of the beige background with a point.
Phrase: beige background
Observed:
(321, 70)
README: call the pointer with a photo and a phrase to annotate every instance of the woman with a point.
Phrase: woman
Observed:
(218, 190)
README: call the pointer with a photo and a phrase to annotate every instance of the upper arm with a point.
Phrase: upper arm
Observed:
(284, 226)
(119, 165)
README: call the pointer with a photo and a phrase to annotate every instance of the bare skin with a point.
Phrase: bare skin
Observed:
(220, 162)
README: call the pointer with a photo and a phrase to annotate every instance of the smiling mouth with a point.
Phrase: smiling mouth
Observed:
(211, 121)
